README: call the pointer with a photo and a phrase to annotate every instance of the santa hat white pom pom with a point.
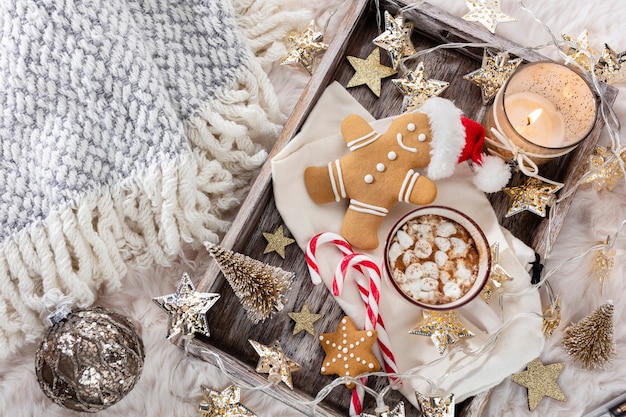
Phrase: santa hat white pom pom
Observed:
(493, 175)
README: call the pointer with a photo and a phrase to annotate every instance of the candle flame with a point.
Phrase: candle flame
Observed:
(533, 116)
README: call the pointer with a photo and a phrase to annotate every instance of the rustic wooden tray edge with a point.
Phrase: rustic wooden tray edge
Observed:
(439, 25)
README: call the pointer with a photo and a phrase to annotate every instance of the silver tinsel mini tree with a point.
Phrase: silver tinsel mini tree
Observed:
(590, 341)
(259, 286)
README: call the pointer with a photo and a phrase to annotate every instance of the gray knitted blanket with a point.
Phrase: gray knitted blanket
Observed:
(128, 128)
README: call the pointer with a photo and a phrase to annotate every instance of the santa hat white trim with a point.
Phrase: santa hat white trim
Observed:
(448, 136)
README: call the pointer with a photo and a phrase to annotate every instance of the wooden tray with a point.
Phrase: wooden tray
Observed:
(230, 330)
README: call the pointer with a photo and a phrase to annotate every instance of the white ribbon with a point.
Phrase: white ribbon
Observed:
(522, 158)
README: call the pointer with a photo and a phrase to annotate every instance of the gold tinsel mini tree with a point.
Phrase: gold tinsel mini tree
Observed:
(260, 287)
(590, 341)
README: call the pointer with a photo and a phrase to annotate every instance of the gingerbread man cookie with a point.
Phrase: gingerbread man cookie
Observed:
(383, 169)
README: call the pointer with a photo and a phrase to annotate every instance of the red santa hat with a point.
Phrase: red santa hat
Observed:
(456, 139)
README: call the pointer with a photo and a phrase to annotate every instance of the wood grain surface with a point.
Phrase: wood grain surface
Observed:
(230, 330)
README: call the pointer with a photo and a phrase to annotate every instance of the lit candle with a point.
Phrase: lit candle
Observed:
(545, 109)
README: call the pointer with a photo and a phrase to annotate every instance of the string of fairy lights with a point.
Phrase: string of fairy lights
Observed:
(607, 167)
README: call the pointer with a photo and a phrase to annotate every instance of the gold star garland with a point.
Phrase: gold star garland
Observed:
(274, 362)
(304, 320)
(277, 241)
(436, 406)
(552, 317)
(224, 404)
(396, 39)
(497, 275)
(397, 411)
(611, 67)
(187, 309)
(494, 72)
(487, 13)
(369, 71)
(443, 327)
(603, 263)
(605, 169)
(579, 50)
(540, 380)
(304, 48)
(534, 196)
(416, 88)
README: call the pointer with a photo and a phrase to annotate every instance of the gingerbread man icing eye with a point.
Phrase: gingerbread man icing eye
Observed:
(421, 137)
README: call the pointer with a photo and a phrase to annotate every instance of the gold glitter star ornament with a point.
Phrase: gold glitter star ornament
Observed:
(304, 320)
(277, 241)
(540, 380)
(487, 13)
(187, 309)
(225, 403)
(443, 327)
(534, 196)
(304, 48)
(396, 39)
(494, 72)
(397, 411)
(611, 67)
(369, 71)
(417, 88)
(436, 406)
(274, 362)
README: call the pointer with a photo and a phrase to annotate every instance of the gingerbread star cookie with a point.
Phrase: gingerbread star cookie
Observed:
(348, 351)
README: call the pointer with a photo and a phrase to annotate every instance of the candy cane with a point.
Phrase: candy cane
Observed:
(368, 284)
(370, 274)
(311, 252)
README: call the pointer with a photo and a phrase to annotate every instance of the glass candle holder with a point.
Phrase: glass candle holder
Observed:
(544, 110)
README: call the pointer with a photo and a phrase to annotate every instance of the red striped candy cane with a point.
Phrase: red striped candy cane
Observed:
(311, 252)
(368, 283)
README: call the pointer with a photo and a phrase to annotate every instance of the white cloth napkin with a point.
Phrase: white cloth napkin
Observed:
(319, 142)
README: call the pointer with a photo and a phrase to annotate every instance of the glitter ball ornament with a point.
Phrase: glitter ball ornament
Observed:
(89, 360)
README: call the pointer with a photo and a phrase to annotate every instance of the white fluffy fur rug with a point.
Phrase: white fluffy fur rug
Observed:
(593, 216)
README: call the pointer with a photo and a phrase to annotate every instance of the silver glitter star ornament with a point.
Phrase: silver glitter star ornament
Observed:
(487, 13)
(305, 47)
(224, 404)
(436, 406)
(397, 411)
(443, 327)
(396, 39)
(497, 275)
(611, 67)
(534, 196)
(187, 309)
(494, 72)
(274, 362)
(417, 88)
